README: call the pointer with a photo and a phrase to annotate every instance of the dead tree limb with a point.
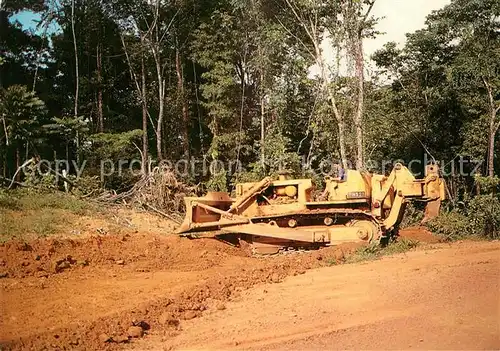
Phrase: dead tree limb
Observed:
(31, 160)
(161, 213)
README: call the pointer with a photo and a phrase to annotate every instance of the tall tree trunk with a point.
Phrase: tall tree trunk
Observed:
(262, 114)
(358, 118)
(494, 125)
(182, 99)
(7, 143)
(491, 144)
(4, 169)
(77, 78)
(100, 115)
(161, 108)
(333, 101)
(343, 154)
(312, 30)
(155, 42)
(38, 56)
(159, 124)
(77, 75)
(353, 26)
(491, 154)
(262, 132)
(145, 153)
(18, 164)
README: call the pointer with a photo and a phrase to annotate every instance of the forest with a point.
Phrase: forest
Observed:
(247, 87)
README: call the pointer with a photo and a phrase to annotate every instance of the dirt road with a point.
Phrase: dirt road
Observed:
(439, 299)
(85, 294)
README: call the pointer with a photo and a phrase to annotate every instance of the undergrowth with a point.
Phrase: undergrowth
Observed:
(26, 213)
(414, 213)
(479, 217)
(25, 200)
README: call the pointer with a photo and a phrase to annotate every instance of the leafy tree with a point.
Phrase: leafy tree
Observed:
(68, 129)
(446, 79)
(21, 114)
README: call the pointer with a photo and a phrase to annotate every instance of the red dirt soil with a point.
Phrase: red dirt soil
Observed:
(421, 234)
(65, 293)
(86, 294)
(441, 299)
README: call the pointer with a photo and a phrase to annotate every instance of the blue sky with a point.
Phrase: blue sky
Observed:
(29, 20)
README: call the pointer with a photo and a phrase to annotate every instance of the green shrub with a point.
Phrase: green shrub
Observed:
(9, 202)
(452, 225)
(487, 185)
(484, 214)
(217, 182)
(480, 217)
(86, 185)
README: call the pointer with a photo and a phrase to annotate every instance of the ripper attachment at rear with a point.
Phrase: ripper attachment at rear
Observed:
(279, 214)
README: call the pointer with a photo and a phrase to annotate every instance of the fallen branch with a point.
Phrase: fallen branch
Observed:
(31, 160)
(162, 213)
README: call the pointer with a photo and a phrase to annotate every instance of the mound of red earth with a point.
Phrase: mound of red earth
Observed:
(45, 257)
(103, 291)
(421, 234)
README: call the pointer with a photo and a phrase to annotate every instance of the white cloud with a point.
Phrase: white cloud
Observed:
(397, 17)
(401, 17)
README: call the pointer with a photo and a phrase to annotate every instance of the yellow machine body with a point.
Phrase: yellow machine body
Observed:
(277, 214)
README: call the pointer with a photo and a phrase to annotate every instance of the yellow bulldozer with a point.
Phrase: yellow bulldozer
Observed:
(274, 215)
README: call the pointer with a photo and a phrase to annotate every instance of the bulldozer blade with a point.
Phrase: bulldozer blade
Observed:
(431, 210)
(184, 227)
(208, 212)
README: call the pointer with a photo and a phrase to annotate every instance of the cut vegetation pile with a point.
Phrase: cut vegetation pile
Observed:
(160, 191)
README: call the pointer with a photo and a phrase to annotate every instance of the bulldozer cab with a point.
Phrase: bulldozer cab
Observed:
(353, 187)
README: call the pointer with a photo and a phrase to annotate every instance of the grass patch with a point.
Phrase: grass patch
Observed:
(30, 225)
(376, 251)
(25, 200)
(27, 214)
